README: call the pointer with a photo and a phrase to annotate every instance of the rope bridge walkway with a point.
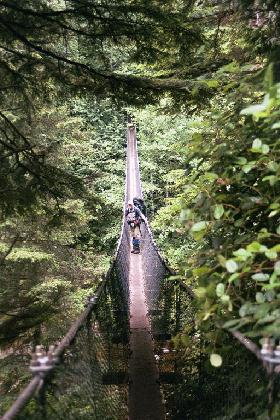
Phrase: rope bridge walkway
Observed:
(118, 361)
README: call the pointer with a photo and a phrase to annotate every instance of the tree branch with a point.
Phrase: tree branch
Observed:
(3, 257)
(42, 14)
(252, 347)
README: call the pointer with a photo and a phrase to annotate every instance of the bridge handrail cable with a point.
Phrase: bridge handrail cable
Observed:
(37, 381)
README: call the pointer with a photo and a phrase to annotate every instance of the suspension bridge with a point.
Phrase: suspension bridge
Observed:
(118, 361)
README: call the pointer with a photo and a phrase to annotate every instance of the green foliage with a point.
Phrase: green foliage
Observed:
(218, 222)
(239, 207)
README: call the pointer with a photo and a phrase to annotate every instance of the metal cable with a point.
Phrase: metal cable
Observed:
(92, 381)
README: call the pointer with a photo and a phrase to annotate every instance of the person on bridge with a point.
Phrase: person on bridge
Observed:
(133, 218)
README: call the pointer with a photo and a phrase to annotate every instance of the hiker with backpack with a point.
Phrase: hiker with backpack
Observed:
(133, 218)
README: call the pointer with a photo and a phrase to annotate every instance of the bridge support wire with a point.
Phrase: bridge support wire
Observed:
(124, 355)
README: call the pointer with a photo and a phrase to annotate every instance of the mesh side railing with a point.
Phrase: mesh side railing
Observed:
(169, 302)
(92, 380)
(192, 388)
(154, 270)
(122, 261)
(170, 308)
(239, 389)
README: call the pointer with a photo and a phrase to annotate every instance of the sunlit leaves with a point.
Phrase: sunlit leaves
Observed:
(198, 230)
(230, 206)
(259, 147)
(216, 360)
(240, 203)
(272, 179)
(260, 277)
(260, 298)
(231, 266)
(277, 268)
(260, 110)
(199, 226)
(220, 289)
(242, 254)
(248, 166)
(256, 247)
(219, 211)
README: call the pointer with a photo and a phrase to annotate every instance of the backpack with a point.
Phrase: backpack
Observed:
(139, 203)
(132, 218)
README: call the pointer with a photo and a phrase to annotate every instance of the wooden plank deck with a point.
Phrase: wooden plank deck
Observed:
(145, 399)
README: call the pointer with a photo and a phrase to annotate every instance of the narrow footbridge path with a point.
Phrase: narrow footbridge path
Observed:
(145, 399)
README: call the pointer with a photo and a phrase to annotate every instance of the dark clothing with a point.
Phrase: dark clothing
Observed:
(133, 218)
(136, 245)
(139, 203)
(133, 215)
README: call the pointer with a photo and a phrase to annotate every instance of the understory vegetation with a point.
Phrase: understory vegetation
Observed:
(201, 80)
(210, 174)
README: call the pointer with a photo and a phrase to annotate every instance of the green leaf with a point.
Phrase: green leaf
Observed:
(258, 110)
(197, 236)
(242, 254)
(270, 295)
(271, 254)
(231, 266)
(253, 247)
(220, 289)
(273, 278)
(233, 277)
(273, 213)
(248, 167)
(231, 323)
(241, 161)
(197, 227)
(222, 260)
(211, 176)
(216, 360)
(186, 214)
(260, 298)
(197, 137)
(245, 309)
(232, 67)
(256, 247)
(219, 211)
(265, 149)
(259, 147)
(271, 286)
(225, 299)
(275, 248)
(200, 292)
(273, 166)
(263, 233)
(257, 144)
(212, 83)
(200, 271)
(260, 277)
(272, 179)
(277, 267)
(274, 206)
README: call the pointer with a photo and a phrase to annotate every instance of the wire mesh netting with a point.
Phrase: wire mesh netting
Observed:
(122, 262)
(92, 381)
(239, 389)
(194, 389)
